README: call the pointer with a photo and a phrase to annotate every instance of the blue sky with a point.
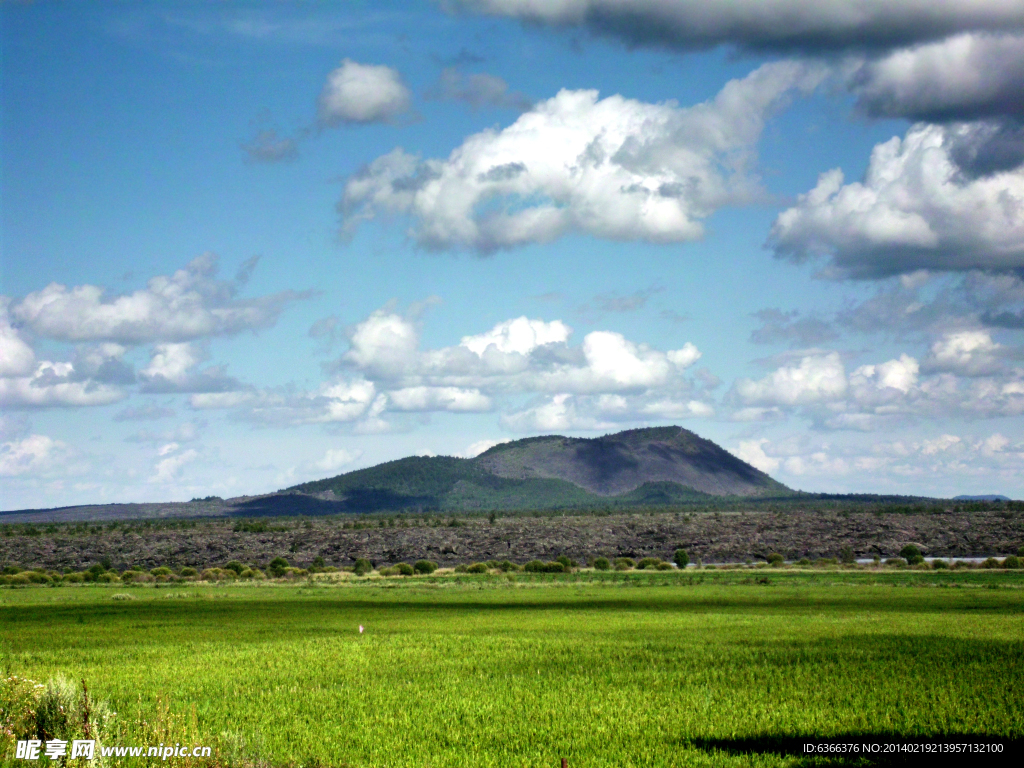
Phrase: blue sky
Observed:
(249, 245)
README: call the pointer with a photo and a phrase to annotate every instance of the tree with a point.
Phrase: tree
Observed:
(680, 558)
(911, 554)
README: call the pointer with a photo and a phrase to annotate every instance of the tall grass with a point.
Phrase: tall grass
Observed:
(500, 671)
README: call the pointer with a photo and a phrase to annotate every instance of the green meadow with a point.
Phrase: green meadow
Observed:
(619, 669)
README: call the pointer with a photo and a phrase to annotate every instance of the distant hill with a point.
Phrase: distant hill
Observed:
(983, 497)
(661, 465)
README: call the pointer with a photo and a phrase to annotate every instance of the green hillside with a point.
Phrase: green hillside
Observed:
(644, 467)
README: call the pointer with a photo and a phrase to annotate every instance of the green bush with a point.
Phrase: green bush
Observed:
(626, 561)
(10, 570)
(847, 556)
(663, 566)
(680, 558)
(388, 570)
(621, 567)
(602, 564)
(648, 562)
(234, 565)
(162, 571)
(554, 567)
(477, 568)
(96, 570)
(505, 566)
(534, 566)
(461, 568)
(803, 561)
(362, 567)
(404, 569)
(133, 577)
(990, 562)
(73, 578)
(424, 566)
(187, 572)
(1011, 562)
(940, 565)
(911, 554)
(775, 559)
(567, 562)
(277, 566)
(318, 565)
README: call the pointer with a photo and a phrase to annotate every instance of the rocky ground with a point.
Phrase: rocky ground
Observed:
(712, 538)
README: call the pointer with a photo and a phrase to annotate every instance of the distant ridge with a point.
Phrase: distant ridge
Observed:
(983, 497)
(659, 465)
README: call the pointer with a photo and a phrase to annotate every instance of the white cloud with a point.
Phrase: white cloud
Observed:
(56, 384)
(190, 304)
(914, 210)
(815, 378)
(967, 353)
(614, 168)
(16, 356)
(31, 455)
(963, 77)
(172, 368)
(475, 449)
(438, 399)
(520, 336)
(898, 374)
(169, 469)
(336, 458)
(363, 93)
(761, 24)
(752, 452)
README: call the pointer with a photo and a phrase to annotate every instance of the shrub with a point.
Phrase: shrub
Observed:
(554, 567)
(387, 570)
(108, 578)
(663, 566)
(404, 569)
(648, 562)
(621, 567)
(1020, 551)
(318, 564)
(362, 567)
(1011, 562)
(424, 566)
(939, 565)
(626, 561)
(602, 564)
(847, 556)
(680, 558)
(534, 566)
(135, 577)
(96, 570)
(73, 578)
(460, 568)
(803, 561)
(775, 559)
(234, 565)
(567, 562)
(505, 566)
(990, 562)
(122, 596)
(10, 570)
(477, 568)
(911, 554)
(187, 572)
(276, 567)
(162, 571)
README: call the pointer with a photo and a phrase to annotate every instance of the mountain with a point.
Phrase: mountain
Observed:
(661, 465)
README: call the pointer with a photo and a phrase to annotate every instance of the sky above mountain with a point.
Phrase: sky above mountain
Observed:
(250, 245)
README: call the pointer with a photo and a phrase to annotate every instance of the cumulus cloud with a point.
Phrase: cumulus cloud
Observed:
(765, 24)
(173, 368)
(169, 469)
(363, 93)
(964, 77)
(31, 455)
(967, 353)
(814, 378)
(336, 458)
(912, 211)
(190, 304)
(478, 90)
(56, 384)
(614, 168)
(16, 356)
(607, 378)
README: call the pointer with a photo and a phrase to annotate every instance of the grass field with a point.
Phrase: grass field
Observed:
(638, 669)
